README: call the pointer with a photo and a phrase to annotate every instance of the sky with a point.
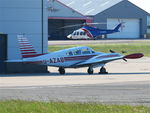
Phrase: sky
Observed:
(144, 4)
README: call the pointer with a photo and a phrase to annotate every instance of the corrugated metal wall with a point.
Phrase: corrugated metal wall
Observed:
(27, 17)
(148, 25)
(24, 16)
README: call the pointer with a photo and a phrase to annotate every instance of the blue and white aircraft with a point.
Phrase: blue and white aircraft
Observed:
(75, 57)
(88, 32)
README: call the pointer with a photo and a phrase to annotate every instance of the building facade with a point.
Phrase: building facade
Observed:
(112, 13)
(28, 17)
(134, 18)
(60, 15)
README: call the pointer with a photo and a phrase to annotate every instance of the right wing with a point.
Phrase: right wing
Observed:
(101, 59)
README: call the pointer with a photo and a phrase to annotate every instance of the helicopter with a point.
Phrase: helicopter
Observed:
(88, 32)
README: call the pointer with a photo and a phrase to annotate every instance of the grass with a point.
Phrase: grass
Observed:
(18, 106)
(129, 47)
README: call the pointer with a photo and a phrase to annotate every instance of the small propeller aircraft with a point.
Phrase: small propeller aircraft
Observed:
(75, 57)
(89, 32)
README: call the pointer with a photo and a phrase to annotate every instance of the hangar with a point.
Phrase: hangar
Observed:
(111, 12)
(37, 19)
(28, 17)
(60, 15)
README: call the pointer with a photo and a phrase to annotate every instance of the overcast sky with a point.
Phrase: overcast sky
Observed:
(144, 4)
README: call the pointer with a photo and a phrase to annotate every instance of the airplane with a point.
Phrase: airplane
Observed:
(75, 57)
(87, 32)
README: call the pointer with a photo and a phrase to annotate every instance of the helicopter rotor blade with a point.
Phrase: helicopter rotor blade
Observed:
(84, 24)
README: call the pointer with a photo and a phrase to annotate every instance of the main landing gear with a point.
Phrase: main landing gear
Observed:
(103, 70)
(90, 70)
(61, 70)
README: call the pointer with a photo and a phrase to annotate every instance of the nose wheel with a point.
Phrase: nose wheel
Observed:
(103, 70)
(61, 70)
(90, 70)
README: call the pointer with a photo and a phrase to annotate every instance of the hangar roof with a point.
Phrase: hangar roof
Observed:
(90, 7)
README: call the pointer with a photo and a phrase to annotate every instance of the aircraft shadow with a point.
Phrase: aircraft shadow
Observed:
(69, 74)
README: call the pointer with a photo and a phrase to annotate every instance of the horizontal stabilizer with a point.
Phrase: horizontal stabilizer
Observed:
(14, 61)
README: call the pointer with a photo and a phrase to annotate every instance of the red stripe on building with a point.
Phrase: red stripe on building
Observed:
(25, 43)
(26, 48)
(28, 53)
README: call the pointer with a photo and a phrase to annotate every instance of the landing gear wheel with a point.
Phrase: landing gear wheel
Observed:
(61, 71)
(90, 70)
(103, 71)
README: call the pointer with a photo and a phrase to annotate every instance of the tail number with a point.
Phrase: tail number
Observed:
(56, 60)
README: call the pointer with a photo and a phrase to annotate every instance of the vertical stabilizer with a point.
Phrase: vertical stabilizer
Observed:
(117, 27)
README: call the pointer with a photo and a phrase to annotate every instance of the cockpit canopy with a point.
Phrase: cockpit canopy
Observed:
(78, 33)
(80, 51)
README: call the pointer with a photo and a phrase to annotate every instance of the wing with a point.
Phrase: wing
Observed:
(100, 59)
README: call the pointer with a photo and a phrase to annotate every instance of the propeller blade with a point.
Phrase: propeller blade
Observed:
(134, 56)
(125, 59)
(112, 51)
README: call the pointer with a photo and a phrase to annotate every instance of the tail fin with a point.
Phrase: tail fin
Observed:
(27, 50)
(117, 27)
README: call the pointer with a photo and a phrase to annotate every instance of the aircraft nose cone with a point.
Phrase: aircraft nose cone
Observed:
(69, 36)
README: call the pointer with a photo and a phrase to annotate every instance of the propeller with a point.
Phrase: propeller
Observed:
(115, 52)
(84, 24)
(124, 59)
(130, 56)
(122, 52)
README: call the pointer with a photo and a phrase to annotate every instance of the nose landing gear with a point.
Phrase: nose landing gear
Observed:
(61, 70)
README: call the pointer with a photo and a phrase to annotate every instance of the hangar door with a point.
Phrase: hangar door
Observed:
(54, 25)
(130, 29)
(3, 52)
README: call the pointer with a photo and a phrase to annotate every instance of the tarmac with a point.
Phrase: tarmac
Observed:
(101, 41)
(126, 83)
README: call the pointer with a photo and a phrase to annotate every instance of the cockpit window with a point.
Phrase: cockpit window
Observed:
(84, 33)
(70, 53)
(86, 51)
(74, 33)
(77, 52)
(93, 51)
(81, 33)
(77, 33)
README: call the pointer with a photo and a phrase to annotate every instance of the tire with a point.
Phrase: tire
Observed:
(103, 71)
(90, 71)
(61, 71)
